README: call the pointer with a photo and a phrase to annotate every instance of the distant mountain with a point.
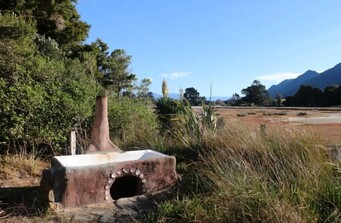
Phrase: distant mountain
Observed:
(290, 87)
(171, 95)
(156, 95)
(327, 78)
(215, 98)
(174, 95)
(317, 80)
(177, 96)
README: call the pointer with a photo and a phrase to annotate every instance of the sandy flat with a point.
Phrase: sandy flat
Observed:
(332, 118)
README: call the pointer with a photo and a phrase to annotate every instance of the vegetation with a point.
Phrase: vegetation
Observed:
(193, 96)
(49, 79)
(313, 97)
(256, 94)
(57, 20)
(164, 89)
(306, 96)
(48, 84)
(132, 123)
(115, 72)
(42, 92)
(248, 175)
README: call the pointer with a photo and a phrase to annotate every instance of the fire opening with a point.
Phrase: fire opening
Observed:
(126, 186)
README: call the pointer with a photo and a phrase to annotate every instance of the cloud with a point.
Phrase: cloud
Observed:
(176, 75)
(278, 77)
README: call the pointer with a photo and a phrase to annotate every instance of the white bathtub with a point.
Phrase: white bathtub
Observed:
(105, 158)
(104, 177)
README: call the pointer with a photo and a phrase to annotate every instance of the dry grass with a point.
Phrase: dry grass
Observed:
(19, 192)
(20, 170)
(245, 174)
(260, 171)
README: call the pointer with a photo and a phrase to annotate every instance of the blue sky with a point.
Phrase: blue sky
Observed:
(223, 43)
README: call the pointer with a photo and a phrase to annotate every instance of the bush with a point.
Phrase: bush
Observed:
(43, 94)
(132, 122)
(166, 110)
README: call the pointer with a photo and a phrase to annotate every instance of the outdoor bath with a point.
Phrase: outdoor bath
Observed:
(105, 173)
(105, 177)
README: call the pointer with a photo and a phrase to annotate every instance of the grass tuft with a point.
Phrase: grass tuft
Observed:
(244, 174)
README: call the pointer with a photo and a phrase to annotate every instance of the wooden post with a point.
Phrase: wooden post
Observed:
(73, 142)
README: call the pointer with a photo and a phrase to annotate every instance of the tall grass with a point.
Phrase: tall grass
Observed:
(181, 124)
(20, 164)
(248, 175)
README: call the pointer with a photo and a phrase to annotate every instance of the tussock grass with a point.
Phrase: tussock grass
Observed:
(20, 175)
(21, 164)
(244, 174)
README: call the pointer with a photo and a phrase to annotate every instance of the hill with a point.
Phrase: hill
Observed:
(329, 77)
(289, 87)
(171, 95)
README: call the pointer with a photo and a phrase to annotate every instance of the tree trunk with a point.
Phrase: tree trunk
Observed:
(100, 139)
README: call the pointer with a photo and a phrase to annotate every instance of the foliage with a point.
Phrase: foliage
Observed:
(233, 174)
(166, 109)
(310, 96)
(42, 93)
(193, 96)
(131, 122)
(48, 81)
(307, 96)
(235, 100)
(256, 94)
(279, 100)
(186, 125)
(143, 89)
(58, 20)
(115, 70)
(178, 120)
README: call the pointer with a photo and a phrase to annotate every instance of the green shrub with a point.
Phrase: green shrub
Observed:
(179, 122)
(166, 110)
(132, 122)
(43, 94)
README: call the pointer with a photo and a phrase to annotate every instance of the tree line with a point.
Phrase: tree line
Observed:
(306, 96)
(49, 78)
(256, 94)
(313, 97)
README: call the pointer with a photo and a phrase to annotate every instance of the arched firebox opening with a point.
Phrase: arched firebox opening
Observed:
(126, 186)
